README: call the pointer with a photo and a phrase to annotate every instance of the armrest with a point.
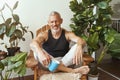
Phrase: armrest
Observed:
(31, 62)
(87, 59)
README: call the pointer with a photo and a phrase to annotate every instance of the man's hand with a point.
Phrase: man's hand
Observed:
(47, 59)
(78, 55)
(44, 58)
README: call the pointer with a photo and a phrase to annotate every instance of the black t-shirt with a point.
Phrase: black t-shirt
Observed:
(56, 47)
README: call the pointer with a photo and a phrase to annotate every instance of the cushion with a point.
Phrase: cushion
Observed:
(61, 76)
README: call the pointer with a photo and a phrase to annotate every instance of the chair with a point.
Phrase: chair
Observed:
(33, 64)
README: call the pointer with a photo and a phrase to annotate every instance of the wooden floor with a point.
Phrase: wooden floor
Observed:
(109, 70)
(110, 67)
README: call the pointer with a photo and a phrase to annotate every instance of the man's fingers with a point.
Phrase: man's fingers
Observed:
(73, 60)
(76, 61)
(45, 62)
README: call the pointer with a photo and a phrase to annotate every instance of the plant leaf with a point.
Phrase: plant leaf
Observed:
(21, 70)
(2, 28)
(93, 40)
(14, 65)
(1, 66)
(19, 56)
(102, 5)
(18, 33)
(16, 17)
(32, 34)
(11, 30)
(109, 36)
(5, 61)
(8, 21)
(15, 6)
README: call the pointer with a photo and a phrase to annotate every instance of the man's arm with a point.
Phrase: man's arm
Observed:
(80, 45)
(36, 46)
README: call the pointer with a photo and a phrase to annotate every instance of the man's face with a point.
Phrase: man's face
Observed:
(55, 22)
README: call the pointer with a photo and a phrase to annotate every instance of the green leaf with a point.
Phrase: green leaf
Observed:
(15, 6)
(18, 63)
(19, 56)
(18, 33)
(102, 5)
(109, 36)
(12, 38)
(21, 70)
(2, 28)
(16, 17)
(93, 40)
(5, 61)
(8, 21)
(11, 30)
(115, 45)
(1, 66)
(14, 65)
(2, 36)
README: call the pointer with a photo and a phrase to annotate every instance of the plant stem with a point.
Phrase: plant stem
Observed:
(102, 53)
(2, 16)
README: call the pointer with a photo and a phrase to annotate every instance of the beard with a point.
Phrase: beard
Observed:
(55, 30)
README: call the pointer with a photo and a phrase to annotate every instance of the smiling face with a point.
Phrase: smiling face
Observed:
(55, 22)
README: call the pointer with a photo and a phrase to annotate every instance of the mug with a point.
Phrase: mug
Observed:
(53, 65)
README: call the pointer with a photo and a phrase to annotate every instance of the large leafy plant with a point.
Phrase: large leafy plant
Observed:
(11, 27)
(14, 64)
(92, 21)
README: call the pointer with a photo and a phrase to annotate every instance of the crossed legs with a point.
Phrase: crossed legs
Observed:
(67, 61)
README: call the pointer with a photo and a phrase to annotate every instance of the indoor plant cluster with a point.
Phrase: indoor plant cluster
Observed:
(95, 28)
(14, 64)
(12, 28)
(92, 21)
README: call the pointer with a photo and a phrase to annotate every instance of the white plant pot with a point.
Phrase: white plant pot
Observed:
(93, 77)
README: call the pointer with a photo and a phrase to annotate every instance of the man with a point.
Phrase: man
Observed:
(54, 43)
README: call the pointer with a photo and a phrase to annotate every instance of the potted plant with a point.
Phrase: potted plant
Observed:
(13, 64)
(12, 28)
(92, 21)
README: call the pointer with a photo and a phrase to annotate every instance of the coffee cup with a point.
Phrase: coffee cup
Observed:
(53, 65)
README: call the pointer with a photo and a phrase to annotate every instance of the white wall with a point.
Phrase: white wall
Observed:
(116, 9)
(34, 13)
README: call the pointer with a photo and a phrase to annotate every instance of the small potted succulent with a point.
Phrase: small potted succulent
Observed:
(12, 28)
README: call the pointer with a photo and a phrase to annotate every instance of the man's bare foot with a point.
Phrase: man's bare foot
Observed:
(82, 70)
